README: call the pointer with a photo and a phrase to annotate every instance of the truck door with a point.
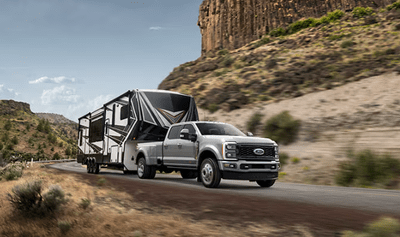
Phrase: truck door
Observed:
(187, 149)
(170, 149)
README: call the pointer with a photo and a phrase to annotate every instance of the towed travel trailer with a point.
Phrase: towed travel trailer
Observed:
(110, 135)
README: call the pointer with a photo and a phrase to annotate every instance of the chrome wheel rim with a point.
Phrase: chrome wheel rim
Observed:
(207, 173)
(141, 168)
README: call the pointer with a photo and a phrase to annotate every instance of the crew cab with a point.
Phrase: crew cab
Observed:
(210, 151)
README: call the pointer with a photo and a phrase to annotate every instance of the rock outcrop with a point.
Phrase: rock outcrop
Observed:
(230, 24)
(11, 107)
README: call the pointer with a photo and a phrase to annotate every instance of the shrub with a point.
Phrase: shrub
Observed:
(282, 128)
(366, 168)
(227, 61)
(360, 12)
(64, 226)
(299, 25)
(223, 52)
(7, 125)
(85, 203)
(295, 160)
(12, 171)
(335, 15)
(101, 182)
(52, 138)
(212, 107)
(384, 227)
(27, 199)
(346, 44)
(14, 140)
(28, 126)
(283, 158)
(1, 146)
(254, 122)
(277, 32)
(395, 6)
(56, 156)
(53, 199)
(5, 137)
(68, 151)
(262, 41)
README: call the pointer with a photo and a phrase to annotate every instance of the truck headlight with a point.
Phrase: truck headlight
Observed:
(276, 153)
(229, 150)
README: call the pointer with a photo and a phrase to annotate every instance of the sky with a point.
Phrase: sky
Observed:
(71, 56)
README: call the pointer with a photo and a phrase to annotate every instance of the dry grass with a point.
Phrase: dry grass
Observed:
(113, 213)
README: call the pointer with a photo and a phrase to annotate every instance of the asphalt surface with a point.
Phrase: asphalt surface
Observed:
(375, 200)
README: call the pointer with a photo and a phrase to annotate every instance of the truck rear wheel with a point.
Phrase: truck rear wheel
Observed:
(188, 174)
(145, 171)
(265, 183)
(209, 173)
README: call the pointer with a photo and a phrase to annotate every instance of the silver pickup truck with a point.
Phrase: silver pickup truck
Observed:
(210, 151)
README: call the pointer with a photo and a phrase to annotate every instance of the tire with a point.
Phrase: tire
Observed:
(88, 166)
(145, 171)
(96, 167)
(188, 174)
(209, 173)
(265, 183)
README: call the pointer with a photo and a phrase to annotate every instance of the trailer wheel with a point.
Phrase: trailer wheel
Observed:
(145, 171)
(209, 173)
(188, 174)
(96, 167)
(265, 183)
(88, 165)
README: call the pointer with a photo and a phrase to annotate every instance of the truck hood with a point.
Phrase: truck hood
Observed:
(240, 139)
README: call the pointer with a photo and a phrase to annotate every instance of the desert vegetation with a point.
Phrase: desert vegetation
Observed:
(282, 128)
(367, 169)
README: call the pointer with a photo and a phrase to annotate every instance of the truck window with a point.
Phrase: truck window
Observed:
(190, 127)
(96, 130)
(124, 112)
(220, 129)
(174, 133)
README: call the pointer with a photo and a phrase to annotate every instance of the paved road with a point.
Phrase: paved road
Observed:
(377, 200)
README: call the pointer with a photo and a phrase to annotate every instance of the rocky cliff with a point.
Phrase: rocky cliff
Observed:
(11, 107)
(231, 24)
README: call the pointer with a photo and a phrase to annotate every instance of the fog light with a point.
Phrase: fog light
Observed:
(273, 166)
(232, 166)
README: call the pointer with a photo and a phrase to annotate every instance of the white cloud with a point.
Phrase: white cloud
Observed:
(57, 80)
(156, 28)
(79, 109)
(59, 95)
(7, 93)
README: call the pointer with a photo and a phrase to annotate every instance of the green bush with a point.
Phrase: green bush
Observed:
(52, 138)
(299, 25)
(282, 128)
(395, 6)
(262, 41)
(360, 12)
(277, 32)
(223, 52)
(101, 182)
(366, 168)
(85, 203)
(254, 122)
(295, 160)
(283, 158)
(7, 125)
(384, 227)
(212, 107)
(347, 44)
(1, 146)
(64, 226)
(12, 171)
(227, 61)
(27, 199)
(56, 156)
(14, 140)
(28, 126)
(335, 15)
(5, 137)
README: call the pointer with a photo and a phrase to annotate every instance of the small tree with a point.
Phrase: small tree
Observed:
(282, 128)
(56, 156)
(14, 140)
(7, 125)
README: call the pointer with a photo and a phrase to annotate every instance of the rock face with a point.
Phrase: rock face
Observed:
(11, 107)
(231, 24)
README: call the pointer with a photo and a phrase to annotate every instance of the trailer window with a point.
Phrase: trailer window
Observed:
(174, 133)
(96, 131)
(124, 112)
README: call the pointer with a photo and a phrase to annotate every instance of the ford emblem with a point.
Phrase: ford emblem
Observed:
(258, 151)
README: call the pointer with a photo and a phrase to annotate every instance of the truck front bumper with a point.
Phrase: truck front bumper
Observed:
(249, 170)
(249, 175)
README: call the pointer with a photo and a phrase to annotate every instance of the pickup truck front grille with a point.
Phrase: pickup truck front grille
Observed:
(246, 152)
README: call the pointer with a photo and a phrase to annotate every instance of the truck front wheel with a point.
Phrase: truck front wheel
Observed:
(209, 173)
(265, 183)
(145, 171)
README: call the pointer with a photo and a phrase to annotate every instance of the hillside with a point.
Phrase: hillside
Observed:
(24, 135)
(330, 51)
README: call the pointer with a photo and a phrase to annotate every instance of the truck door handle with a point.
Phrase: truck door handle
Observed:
(165, 146)
(180, 145)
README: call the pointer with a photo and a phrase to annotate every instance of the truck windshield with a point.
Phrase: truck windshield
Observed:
(218, 129)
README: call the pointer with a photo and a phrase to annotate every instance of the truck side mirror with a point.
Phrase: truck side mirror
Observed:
(184, 133)
(193, 137)
(249, 134)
